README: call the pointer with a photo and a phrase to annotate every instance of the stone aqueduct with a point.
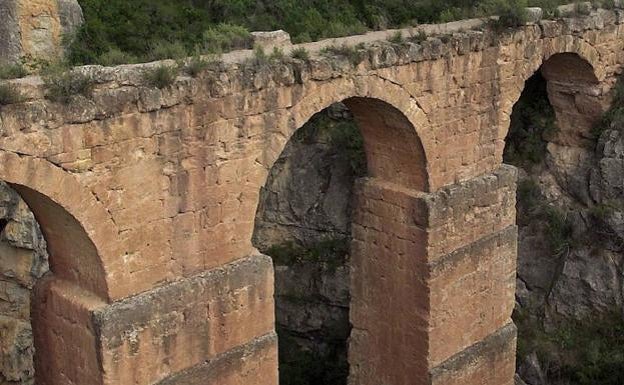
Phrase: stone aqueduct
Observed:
(147, 200)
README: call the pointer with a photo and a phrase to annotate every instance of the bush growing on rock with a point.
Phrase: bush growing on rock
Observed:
(161, 76)
(300, 53)
(225, 37)
(12, 71)
(62, 83)
(9, 94)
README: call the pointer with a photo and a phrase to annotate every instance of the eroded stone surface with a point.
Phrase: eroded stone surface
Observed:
(34, 30)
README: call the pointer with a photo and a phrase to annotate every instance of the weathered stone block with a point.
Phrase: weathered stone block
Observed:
(187, 323)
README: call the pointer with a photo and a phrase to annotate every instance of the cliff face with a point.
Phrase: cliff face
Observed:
(23, 259)
(303, 222)
(36, 29)
(571, 246)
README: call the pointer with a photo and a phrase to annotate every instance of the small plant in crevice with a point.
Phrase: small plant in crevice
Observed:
(300, 53)
(115, 56)
(419, 37)
(352, 53)
(63, 83)
(12, 71)
(196, 65)
(277, 54)
(10, 94)
(396, 38)
(161, 76)
(560, 231)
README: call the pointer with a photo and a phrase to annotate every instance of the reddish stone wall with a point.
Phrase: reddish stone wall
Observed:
(155, 192)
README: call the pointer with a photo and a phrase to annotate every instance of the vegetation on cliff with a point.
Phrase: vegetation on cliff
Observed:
(141, 29)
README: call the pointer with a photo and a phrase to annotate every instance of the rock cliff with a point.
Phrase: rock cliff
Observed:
(23, 259)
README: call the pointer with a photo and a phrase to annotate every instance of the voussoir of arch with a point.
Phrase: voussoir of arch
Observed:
(37, 179)
(370, 86)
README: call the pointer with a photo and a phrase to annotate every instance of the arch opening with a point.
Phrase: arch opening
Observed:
(565, 261)
(40, 243)
(305, 221)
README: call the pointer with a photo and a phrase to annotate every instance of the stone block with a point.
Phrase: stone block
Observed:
(269, 41)
(171, 329)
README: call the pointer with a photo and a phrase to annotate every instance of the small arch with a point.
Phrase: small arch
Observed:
(573, 91)
(73, 222)
(394, 151)
(569, 68)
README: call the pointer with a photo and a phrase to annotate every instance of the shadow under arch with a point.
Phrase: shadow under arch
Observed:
(60, 302)
(381, 265)
(74, 224)
(573, 89)
(394, 152)
(73, 256)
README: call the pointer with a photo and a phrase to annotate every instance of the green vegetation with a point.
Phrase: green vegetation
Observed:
(419, 37)
(219, 25)
(225, 37)
(9, 94)
(166, 50)
(62, 84)
(352, 54)
(511, 14)
(196, 66)
(300, 53)
(161, 76)
(12, 71)
(585, 352)
(114, 56)
(343, 134)
(532, 121)
(396, 38)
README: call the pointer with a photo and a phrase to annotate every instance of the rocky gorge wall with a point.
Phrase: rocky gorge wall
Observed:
(571, 250)
(304, 223)
(23, 260)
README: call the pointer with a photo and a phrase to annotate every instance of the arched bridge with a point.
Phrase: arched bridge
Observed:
(147, 199)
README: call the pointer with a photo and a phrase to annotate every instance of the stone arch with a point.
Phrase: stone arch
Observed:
(573, 81)
(390, 120)
(386, 240)
(73, 222)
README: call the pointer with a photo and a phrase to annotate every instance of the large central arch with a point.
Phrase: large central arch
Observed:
(387, 244)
